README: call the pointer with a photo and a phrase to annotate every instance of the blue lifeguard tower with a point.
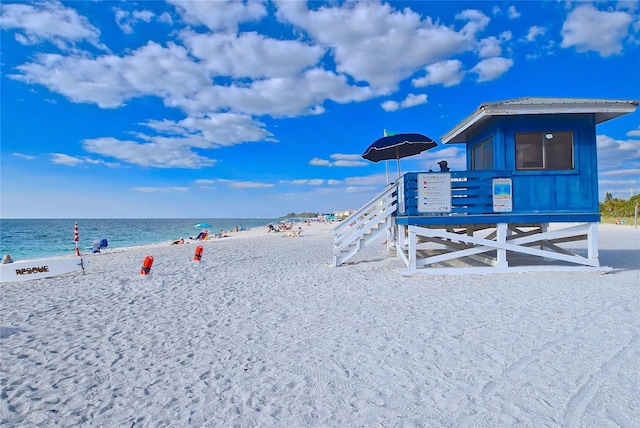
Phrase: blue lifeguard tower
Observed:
(531, 162)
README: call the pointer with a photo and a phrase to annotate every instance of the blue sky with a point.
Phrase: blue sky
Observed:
(258, 108)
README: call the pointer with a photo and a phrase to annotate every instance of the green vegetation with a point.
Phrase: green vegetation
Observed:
(301, 215)
(615, 209)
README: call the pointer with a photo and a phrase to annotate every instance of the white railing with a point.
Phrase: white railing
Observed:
(364, 226)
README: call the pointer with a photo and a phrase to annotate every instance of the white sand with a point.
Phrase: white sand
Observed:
(262, 332)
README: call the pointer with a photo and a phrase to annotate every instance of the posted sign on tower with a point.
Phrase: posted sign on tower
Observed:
(434, 193)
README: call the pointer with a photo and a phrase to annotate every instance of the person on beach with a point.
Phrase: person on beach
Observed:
(6, 259)
(179, 241)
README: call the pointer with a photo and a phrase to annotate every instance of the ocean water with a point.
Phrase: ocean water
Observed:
(39, 238)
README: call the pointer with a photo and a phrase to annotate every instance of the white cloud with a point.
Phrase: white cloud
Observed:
(48, 21)
(513, 13)
(319, 162)
(160, 153)
(588, 29)
(237, 184)
(492, 68)
(223, 82)
(616, 154)
(204, 182)
(340, 160)
(635, 172)
(160, 189)
(20, 155)
(489, 47)
(62, 159)
(126, 19)
(446, 73)
(110, 80)
(411, 100)
(221, 14)
(478, 21)
(251, 54)
(534, 32)
(400, 42)
(215, 130)
(305, 182)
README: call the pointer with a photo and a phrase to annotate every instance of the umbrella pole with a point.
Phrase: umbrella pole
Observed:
(386, 162)
(386, 167)
(398, 160)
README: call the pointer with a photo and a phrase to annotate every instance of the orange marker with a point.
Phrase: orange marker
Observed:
(146, 265)
(198, 256)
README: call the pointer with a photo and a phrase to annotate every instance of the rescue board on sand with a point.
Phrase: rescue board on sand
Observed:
(44, 268)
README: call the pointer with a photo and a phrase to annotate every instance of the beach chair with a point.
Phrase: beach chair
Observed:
(99, 245)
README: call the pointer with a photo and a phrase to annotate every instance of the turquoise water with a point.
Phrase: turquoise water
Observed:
(38, 238)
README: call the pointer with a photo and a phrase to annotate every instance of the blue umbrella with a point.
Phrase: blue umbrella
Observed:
(398, 146)
(203, 225)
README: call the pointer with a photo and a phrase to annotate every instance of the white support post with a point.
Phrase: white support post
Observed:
(412, 248)
(592, 241)
(544, 228)
(501, 238)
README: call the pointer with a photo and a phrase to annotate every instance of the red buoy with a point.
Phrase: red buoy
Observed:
(146, 265)
(198, 256)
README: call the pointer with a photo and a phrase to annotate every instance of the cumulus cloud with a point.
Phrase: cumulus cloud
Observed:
(513, 13)
(160, 153)
(489, 47)
(534, 32)
(214, 130)
(365, 38)
(224, 80)
(445, 73)
(589, 29)
(110, 80)
(225, 15)
(48, 21)
(251, 54)
(492, 68)
(411, 100)
(126, 20)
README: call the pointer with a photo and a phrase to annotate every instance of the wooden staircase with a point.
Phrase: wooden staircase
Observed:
(364, 226)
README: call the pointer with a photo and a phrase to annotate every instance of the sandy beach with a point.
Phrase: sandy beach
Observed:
(263, 332)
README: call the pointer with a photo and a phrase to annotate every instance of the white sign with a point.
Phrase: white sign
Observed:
(502, 195)
(434, 193)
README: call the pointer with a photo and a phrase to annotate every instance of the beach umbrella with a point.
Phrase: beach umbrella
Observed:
(398, 146)
(202, 225)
